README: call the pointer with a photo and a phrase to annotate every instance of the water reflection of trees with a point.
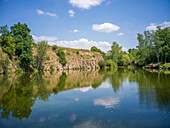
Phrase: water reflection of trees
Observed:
(153, 87)
(18, 94)
(18, 99)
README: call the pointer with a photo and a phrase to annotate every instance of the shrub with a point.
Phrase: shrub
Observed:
(47, 58)
(18, 70)
(110, 64)
(81, 55)
(166, 66)
(77, 52)
(54, 47)
(94, 55)
(60, 53)
(68, 53)
(102, 64)
(95, 49)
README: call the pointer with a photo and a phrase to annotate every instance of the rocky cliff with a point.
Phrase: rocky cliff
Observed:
(76, 59)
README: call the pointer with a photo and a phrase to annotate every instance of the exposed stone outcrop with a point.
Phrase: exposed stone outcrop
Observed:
(84, 60)
(3, 55)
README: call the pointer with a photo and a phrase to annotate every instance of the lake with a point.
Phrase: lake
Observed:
(86, 99)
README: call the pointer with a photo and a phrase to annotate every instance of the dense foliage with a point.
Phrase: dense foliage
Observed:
(18, 41)
(54, 47)
(95, 49)
(154, 46)
(102, 64)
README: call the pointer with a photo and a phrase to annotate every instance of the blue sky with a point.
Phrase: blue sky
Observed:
(84, 23)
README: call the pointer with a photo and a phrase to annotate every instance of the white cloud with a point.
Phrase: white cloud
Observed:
(85, 89)
(124, 49)
(76, 99)
(88, 124)
(105, 84)
(120, 34)
(108, 102)
(82, 43)
(85, 4)
(165, 24)
(71, 13)
(106, 27)
(47, 38)
(75, 30)
(40, 12)
(153, 26)
(51, 14)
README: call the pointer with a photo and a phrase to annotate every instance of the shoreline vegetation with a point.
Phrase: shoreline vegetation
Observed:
(19, 53)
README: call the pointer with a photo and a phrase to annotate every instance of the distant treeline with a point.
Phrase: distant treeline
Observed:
(153, 47)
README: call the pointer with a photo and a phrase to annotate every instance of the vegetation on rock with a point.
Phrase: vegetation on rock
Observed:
(62, 59)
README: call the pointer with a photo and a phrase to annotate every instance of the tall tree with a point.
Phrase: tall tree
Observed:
(24, 41)
(7, 41)
(41, 52)
(141, 47)
(158, 42)
(114, 52)
(9, 46)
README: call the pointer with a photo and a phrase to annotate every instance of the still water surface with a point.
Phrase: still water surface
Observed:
(86, 99)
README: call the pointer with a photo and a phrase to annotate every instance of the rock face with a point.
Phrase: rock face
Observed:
(3, 55)
(76, 59)
(84, 59)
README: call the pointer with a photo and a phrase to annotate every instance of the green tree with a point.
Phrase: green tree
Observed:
(110, 64)
(125, 60)
(158, 42)
(114, 52)
(4, 30)
(54, 47)
(9, 46)
(24, 42)
(7, 41)
(41, 52)
(102, 64)
(165, 37)
(142, 47)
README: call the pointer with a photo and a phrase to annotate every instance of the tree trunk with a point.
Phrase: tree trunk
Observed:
(158, 59)
(161, 59)
(38, 66)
